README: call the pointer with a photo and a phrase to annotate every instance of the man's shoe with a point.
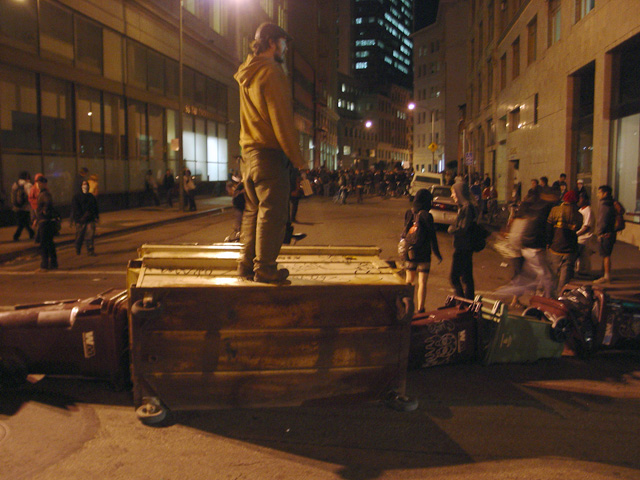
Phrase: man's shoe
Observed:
(603, 280)
(271, 276)
(245, 271)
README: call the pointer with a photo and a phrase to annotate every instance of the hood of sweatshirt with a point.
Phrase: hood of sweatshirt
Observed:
(254, 64)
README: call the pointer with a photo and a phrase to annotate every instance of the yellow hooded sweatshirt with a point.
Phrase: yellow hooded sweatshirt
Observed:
(266, 108)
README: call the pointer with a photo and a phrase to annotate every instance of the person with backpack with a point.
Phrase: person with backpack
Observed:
(420, 236)
(605, 230)
(20, 204)
(462, 264)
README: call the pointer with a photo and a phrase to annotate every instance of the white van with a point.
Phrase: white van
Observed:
(424, 180)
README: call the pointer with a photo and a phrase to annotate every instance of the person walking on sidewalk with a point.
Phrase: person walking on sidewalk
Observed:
(84, 214)
(189, 187)
(168, 185)
(270, 144)
(605, 230)
(47, 230)
(20, 204)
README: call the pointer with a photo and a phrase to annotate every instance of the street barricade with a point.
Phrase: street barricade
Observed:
(202, 337)
(446, 335)
(85, 337)
(483, 330)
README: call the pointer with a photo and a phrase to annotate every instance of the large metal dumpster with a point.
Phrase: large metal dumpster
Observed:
(202, 337)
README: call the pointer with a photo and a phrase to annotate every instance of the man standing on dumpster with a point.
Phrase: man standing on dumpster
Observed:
(269, 143)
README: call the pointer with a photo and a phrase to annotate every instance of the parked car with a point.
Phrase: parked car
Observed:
(424, 180)
(443, 208)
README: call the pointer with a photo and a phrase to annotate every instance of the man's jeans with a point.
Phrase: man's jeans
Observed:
(562, 265)
(265, 174)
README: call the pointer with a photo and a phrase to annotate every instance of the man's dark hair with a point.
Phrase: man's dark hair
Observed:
(535, 180)
(265, 33)
(24, 175)
(563, 175)
(545, 180)
(606, 189)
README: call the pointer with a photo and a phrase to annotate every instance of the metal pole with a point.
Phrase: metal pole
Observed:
(180, 110)
(433, 136)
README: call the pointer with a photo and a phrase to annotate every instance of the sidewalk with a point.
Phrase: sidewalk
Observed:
(112, 223)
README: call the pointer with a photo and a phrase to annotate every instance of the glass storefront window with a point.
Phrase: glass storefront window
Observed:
(56, 31)
(89, 123)
(60, 172)
(212, 150)
(19, 23)
(136, 65)
(172, 134)
(112, 127)
(88, 45)
(627, 161)
(172, 73)
(138, 145)
(156, 71)
(18, 109)
(156, 160)
(222, 153)
(201, 149)
(57, 121)
(188, 140)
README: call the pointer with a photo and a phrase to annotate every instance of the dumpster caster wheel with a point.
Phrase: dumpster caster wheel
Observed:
(151, 412)
(401, 403)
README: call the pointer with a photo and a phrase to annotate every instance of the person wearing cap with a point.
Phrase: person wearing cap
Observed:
(45, 217)
(563, 223)
(269, 143)
(581, 190)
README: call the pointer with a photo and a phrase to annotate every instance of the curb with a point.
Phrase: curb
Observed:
(8, 256)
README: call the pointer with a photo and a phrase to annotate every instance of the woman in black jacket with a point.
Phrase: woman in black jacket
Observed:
(462, 264)
(422, 241)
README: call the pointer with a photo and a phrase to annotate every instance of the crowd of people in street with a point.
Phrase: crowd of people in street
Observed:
(550, 236)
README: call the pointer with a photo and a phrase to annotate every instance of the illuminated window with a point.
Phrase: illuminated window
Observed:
(361, 65)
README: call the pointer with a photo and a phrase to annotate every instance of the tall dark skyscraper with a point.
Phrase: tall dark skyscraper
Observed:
(382, 49)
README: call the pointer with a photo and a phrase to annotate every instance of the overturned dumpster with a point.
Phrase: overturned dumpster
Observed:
(77, 337)
(202, 337)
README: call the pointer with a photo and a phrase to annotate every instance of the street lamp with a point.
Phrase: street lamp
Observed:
(433, 146)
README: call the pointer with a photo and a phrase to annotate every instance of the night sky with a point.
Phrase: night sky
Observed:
(425, 13)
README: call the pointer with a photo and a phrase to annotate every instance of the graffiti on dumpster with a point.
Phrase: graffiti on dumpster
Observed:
(442, 343)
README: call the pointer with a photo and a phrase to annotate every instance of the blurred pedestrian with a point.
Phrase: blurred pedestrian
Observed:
(189, 190)
(33, 197)
(20, 204)
(168, 186)
(94, 186)
(151, 187)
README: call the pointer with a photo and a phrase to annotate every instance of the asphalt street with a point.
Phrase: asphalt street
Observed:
(559, 418)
